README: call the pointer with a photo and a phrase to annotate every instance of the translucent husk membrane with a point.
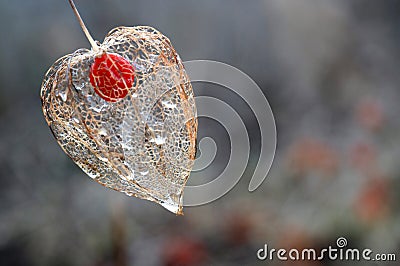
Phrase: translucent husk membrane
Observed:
(142, 145)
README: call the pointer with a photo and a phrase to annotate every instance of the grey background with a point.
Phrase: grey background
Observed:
(330, 72)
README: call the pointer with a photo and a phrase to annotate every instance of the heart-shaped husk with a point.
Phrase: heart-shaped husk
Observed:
(143, 144)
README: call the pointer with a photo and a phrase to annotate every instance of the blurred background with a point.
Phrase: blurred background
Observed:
(330, 72)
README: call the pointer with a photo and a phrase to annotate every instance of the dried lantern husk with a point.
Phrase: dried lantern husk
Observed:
(143, 144)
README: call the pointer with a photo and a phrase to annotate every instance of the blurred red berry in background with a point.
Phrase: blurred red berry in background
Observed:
(373, 203)
(293, 238)
(363, 157)
(370, 115)
(238, 229)
(183, 251)
(307, 155)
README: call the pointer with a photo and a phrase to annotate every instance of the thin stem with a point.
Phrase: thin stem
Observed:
(85, 30)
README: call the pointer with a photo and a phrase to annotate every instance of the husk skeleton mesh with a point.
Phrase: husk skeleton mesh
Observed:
(142, 145)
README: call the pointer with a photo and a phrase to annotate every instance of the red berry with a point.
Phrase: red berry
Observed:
(111, 76)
